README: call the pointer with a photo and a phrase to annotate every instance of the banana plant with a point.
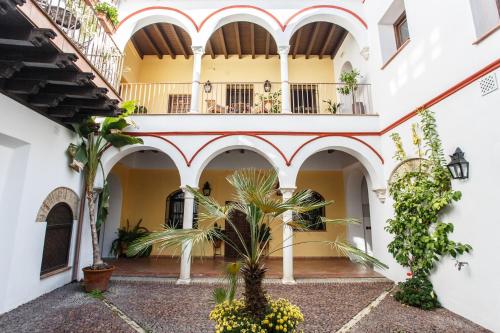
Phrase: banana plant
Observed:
(256, 197)
(94, 138)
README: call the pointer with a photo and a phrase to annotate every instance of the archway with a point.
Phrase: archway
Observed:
(337, 176)
(139, 184)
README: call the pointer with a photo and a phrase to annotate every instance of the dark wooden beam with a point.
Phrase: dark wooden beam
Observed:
(10, 68)
(7, 6)
(45, 100)
(297, 43)
(137, 48)
(63, 111)
(85, 92)
(100, 103)
(179, 41)
(237, 34)
(40, 60)
(164, 37)
(252, 39)
(339, 43)
(56, 76)
(211, 49)
(151, 42)
(223, 42)
(327, 40)
(25, 87)
(312, 41)
(268, 44)
(15, 36)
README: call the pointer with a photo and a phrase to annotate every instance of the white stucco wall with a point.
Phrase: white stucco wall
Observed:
(33, 163)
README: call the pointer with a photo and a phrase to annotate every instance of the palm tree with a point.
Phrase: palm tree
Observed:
(255, 196)
(95, 138)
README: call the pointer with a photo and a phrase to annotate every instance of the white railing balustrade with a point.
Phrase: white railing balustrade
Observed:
(249, 98)
(79, 21)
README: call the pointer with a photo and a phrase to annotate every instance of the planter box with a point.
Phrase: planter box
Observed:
(106, 23)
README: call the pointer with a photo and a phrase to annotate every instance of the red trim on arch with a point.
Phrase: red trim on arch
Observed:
(164, 139)
(330, 135)
(242, 6)
(145, 9)
(330, 7)
(281, 25)
(232, 134)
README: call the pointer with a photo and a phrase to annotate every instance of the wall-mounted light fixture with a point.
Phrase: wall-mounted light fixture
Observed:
(206, 189)
(458, 166)
(207, 87)
(267, 86)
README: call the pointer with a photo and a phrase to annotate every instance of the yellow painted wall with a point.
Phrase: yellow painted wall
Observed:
(131, 64)
(220, 70)
(145, 193)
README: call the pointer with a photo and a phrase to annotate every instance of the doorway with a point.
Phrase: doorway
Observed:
(239, 221)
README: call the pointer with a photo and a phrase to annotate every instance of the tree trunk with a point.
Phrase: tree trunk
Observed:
(255, 297)
(97, 261)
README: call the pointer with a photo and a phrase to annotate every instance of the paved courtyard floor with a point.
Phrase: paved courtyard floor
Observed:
(166, 307)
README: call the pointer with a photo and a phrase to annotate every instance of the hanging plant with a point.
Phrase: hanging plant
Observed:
(420, 195)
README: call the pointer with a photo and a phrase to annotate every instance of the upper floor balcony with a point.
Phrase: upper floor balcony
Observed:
(241, 70)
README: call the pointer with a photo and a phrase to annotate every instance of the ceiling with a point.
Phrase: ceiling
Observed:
(321, 39)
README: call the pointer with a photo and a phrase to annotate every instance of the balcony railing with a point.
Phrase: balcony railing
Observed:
(248, 98)
(78, 20)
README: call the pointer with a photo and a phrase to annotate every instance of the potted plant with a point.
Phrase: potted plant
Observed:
(349, 86)
(94, 139)
(108, 15)
(332, 106)
(269, 102)
(127, 235)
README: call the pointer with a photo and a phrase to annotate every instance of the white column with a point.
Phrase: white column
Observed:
(198, 52)
(285, 90)
(187, 223)
(287, 240)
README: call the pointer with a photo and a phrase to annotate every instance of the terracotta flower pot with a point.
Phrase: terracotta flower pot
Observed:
(97, 279)
(106, 23)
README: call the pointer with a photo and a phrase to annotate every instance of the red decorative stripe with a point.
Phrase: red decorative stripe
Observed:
(326, 7)
(164, 139)
(447, 93)
(281, 25)
(242, 6)
(145, 9)
(330, 135)
(232, 134)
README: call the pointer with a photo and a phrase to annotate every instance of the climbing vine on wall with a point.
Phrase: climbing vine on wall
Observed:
(420, 195)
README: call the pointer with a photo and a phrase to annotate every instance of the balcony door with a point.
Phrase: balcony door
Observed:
(239, 98)
(304, 98)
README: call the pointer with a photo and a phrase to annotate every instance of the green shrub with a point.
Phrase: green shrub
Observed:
(417, 291)
(281, 316)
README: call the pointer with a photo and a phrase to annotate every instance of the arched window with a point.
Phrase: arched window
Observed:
(312, 219)
(57, 238)
(174, 211)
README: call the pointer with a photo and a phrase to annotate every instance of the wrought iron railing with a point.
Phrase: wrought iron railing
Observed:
(248, 98)
(81, 24)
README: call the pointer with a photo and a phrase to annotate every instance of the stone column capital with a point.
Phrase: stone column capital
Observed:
(283, 49)
(287, 191)
(187, 193)
(198, 50)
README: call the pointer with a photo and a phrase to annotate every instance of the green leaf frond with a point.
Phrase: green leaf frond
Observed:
(356, 254)
(170, 237)
(210, 210)
(254, 186)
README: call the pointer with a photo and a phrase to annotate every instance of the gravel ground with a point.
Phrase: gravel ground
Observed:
(392, 317)
(163, 307)
(166, 307)
(66, 309)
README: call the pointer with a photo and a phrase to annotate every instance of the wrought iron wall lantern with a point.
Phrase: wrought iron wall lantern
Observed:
(267, 86)
(206, 189)
(207, 87)
(458, 166)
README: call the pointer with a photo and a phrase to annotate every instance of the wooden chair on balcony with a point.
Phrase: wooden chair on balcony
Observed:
(213, 107)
